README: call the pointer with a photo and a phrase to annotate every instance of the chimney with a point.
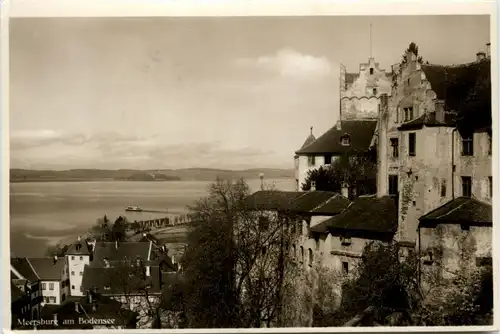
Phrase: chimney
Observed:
(345, 190)
(313, 185)
(55, 259)
(339, 125)
(439, 110)
(488, 50)
(480, 56)
(89, 296)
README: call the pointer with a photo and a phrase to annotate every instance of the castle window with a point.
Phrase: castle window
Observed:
(408, 114)
(490, 144)
(466, 186)
(371, 70)
(311, 160)
(345, 267)
(443, 188)
(490, 186)
(393, 184)
(81, 258)
(467, 145)
(412, 143)
(374, 91)
(72, 273)
(395, 147)
(346, 140)
(328, 159)
(72, 258)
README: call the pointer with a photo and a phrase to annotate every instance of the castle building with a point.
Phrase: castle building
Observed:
(77, 256)
(435, 157)
(355, 124)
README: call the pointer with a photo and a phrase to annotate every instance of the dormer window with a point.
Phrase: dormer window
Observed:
(371, 71)
(345, 140)
(374, 91)
(408, 114)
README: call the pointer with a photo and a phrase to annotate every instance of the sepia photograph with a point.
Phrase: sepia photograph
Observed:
(250, 172)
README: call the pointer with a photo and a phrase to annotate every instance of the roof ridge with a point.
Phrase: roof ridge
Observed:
(324, 202)
(32, 268)
(452, 210)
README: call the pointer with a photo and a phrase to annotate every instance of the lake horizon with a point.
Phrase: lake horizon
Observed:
(48, 213)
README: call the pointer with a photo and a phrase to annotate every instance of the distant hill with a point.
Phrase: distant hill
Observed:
(192, 174)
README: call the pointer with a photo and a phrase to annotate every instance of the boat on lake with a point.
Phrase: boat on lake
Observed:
(133, 208)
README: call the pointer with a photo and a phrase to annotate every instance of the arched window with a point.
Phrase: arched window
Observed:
(311, 256)
(301, 254)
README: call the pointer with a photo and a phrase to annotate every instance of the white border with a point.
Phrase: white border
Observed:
(145, 8)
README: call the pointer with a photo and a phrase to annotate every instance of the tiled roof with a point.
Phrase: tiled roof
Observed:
(461, 85)
(23, 266)
(78, 248)
(119, 281)
(15, 292)
(314, 199)
(125, 250)
(360, 132)
(309, 140)
(460, 210)
(367, 213)
(429, 120)
(334, 205)
(47, 269)
(314, 202)
(271, 200)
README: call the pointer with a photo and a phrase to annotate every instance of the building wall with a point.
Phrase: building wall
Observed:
(478, 166)
(423, 177)
(358, 100)
(454, 248)
(54, 293)
(302, 167)
(76, 264)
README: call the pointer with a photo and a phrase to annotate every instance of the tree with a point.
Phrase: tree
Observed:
(356, 169)
(235, 262)
(101, 230)
(380, 281)
(58, 250)
(156, 306)
(118, 231)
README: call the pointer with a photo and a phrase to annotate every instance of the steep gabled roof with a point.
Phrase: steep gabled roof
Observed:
(460, 210)
(78, 248)
(124, 251)
(23, 266)
(359, 131)
(15, 292)
(119, 281)
(465, 89)
(366, 213)
(48, 269)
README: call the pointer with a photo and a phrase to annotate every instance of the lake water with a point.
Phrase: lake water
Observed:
(43, 213)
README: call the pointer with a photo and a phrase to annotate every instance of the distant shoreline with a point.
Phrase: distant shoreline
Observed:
(113, 180)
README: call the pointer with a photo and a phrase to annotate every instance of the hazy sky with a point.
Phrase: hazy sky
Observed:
(198, 92)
